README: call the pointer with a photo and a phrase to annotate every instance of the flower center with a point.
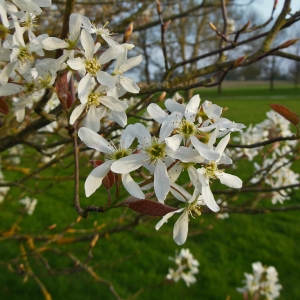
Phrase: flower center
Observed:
(211, 169)
(201, 114)
(118, 154)
(92, 66)
(194, 208)
(93, 100)
(24, 54)
(156, 151)
(187, 129)
(45, 81)
(3, 32)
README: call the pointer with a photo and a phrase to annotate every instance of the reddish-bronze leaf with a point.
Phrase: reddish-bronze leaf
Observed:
(62, 88)
(4, 109)
(147, 207)
(69, 101)
(109, 180)
(286, 113)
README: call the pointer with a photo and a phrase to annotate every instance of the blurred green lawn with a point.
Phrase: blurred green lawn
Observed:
(139, 257)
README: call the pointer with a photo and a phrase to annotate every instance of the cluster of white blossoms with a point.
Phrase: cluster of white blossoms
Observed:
(27, 77)
(186, 267)
(186, 141)
(275, 168)
(262, 284)
(29, 204)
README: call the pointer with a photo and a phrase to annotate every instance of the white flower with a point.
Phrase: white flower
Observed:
(186, 130)
(29, 204)
(52, 43)
(181, 226)
(263, 282)
(90, 66)
(124, 83)
(211, 171)
(152, 153)
(96, 103)
(97, 142)
(99, 30)
(187, 266)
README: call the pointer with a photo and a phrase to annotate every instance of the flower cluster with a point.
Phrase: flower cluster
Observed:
(187, 267)
(186, 141)
(263, 282)
(29, 204)
(275, 169)
(83, 55)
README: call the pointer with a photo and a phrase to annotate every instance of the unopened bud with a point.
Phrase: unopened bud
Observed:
(275, 4)
(245, 26)
(238, 61)
(162, 96)
(288, 43)
(158, 6)
(128, 32)
(78, 219)
(166, 25)
(212, 26)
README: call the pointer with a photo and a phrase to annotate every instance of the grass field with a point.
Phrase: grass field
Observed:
(139, 257)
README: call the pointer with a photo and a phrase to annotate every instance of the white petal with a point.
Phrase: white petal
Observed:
(204, 150)
(131, 62)
(191, 109)
(174, 141)
(5, 73)
(76, 113)
(158, 114)
(179, 192)
(166, 217)
(94, 140)
(169, 124)
(213, 137)
(105, 78)
(132, 187)
(10, 89)
(92, 119)
(87, 43)
(172, 106)
(76, 63)
(94, 180)
(126, 138)
(113, 103)
(139, 131)
(222, 144)
(53, 43)
(193, 174)
(209, 199)
(128, 164)
(119, 117)
(181, 228)
(129, 85)
(186, 154)
(84, 85)
(4, 54)
(161, 181)
(230, 180)
(20, 113)
(74, 26)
